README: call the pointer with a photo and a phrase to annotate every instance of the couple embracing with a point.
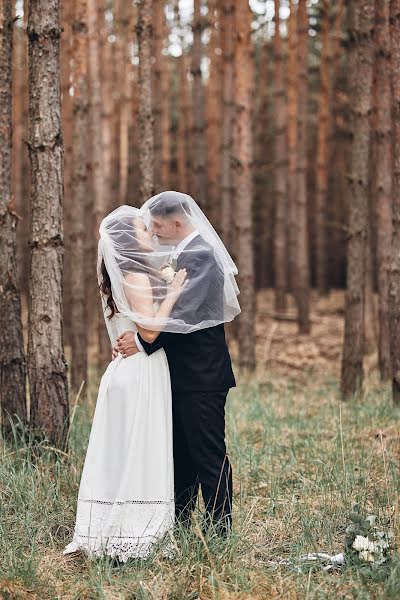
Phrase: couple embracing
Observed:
(158, 434)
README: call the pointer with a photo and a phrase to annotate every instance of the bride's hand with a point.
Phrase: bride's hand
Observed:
(178, 283)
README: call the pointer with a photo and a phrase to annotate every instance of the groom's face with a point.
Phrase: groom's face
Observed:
(167, 229)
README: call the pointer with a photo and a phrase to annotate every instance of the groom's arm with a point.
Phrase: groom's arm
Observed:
(148, 347)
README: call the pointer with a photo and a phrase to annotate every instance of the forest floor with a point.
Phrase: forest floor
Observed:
(301, 459)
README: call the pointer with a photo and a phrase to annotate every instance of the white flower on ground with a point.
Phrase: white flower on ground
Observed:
(366, 555)
(361, 543)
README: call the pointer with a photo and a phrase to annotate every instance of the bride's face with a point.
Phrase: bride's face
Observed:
(143, 236)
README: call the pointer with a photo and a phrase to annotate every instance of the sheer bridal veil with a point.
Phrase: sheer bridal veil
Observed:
(143, 248)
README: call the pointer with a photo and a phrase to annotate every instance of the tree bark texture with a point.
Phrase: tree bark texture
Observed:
(47, 367)
(12, 355)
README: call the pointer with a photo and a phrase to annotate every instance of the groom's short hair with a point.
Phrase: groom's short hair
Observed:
(167, 205)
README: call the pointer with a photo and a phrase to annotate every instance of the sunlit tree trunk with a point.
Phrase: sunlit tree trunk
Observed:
(394, 289)
(79, 191)
(199, 140)
(281, 171)
(302, 275)
(360, 68)
(144, 31)
(12, 355)
(242, 174)
(47, 367)
(383, 179)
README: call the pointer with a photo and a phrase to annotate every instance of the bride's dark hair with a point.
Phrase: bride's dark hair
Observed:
(105, 288)
(125, 261)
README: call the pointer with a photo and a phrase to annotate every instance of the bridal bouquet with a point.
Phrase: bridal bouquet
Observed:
(365, 545)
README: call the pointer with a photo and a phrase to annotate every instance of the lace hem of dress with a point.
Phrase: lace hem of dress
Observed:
(122, 548)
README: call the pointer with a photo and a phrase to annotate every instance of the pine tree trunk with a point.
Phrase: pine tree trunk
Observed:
(292, 92)
(144, 31)
(66, 119)
(124, 88)
(213, 118)
(97, 168)
(360, 69)
(302, 275)
(199, 140)
(281, 172)
(12, 356)
(157, 75)
(242, 173)
(321, 179)
(47, 366)
(80, 191)
(183, 125)
(227, 45)
(383, 180)
(394, 290)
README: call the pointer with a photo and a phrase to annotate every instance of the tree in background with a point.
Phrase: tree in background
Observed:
(242, 177)
(302, 275)
(360, 68)
(383, 179)
(12, 356)
(281, 171)
(227, 9)
(47, 367)
(79, 196)
(394, 284)
(144, 31)
(198, 135)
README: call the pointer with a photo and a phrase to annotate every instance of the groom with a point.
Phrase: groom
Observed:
(200, 367)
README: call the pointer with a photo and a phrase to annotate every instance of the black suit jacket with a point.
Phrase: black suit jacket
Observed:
(198, 361)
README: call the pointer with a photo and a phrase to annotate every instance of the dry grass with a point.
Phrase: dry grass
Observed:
(301, 459)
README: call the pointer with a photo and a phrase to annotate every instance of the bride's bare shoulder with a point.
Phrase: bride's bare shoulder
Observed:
(137, 278)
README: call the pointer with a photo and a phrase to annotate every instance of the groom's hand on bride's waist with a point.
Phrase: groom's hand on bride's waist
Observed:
(125, 345)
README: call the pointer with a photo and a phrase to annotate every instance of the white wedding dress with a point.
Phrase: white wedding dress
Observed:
(126, 494)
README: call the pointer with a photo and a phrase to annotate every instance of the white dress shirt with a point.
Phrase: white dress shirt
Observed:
(174, 254)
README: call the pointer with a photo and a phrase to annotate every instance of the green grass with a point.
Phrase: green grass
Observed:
(301, 460)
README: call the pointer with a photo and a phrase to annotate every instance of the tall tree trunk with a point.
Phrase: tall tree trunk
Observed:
(144, 31)
(242, 171)
(183, 124)
(97, 170)
(47, 366)
(394, 294)
(79, 196)
(321, 182)
(199, 140)
(360, 69)
(281, 172)
(292, 92)
(302, 276)
(213, 117)
(227, 9)
(383, 180)
(66, 119)
(157, 90)
(124, 87)
(12, 356)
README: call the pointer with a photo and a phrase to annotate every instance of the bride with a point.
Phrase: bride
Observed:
(125, 502)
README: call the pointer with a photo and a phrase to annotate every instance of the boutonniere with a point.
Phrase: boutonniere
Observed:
(168, 271)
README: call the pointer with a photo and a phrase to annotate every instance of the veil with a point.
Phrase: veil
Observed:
(148, 250)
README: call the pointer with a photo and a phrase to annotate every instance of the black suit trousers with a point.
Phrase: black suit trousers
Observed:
(200, 456)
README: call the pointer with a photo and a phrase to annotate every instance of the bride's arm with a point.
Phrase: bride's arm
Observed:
(142, 301)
